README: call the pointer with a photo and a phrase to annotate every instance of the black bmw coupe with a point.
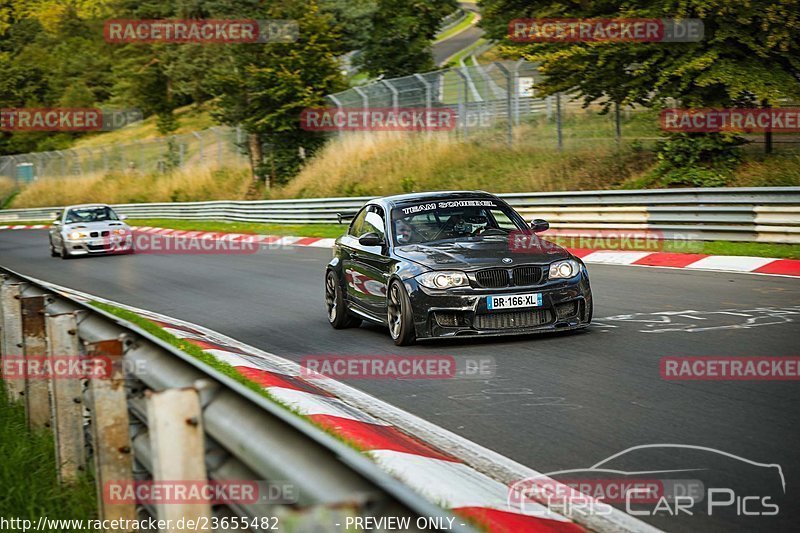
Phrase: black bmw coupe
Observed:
(453, 264)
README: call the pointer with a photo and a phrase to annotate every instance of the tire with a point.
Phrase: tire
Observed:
(53, 252)
(338, 315)
(399, 315)
(65, 253)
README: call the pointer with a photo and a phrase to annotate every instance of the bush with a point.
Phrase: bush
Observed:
(698, 159)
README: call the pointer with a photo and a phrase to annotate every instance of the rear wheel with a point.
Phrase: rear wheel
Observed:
(399, 315)
(338, 316)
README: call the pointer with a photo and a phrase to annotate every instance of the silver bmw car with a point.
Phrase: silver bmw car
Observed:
(89, 229)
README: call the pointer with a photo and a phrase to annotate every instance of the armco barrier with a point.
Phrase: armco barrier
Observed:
(763, 214)
(162, 415)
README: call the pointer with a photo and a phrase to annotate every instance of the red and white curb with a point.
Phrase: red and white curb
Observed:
(272, 240)
(714, 263)
(37, 226)
(453, 472)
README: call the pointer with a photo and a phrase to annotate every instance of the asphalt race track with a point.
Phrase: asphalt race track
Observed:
(447, 48)
(557, 401)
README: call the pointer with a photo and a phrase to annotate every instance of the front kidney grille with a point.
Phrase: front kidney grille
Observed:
(492, 278)
(497, 278)
(513, 319)
(527, 275)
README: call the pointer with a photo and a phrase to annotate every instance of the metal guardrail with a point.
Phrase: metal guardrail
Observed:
(238, 434)
(764, 214)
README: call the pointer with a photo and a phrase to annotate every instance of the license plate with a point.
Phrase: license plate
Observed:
(512, 301)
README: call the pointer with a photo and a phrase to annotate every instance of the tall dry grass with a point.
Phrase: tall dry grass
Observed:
(7, 188)
(186, 185)
(395, 163)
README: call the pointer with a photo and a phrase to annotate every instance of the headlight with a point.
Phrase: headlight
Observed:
(443, 279)
(120, 232)
(77, 235)
(564, 269)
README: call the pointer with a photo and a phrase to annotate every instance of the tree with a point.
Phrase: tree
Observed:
(749, 56)
(354, 18)
(265, 87)
(401, 36)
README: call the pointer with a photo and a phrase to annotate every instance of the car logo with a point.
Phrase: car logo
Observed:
(507, 260)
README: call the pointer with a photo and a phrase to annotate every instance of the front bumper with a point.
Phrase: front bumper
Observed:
(566, 304)
(101, 245)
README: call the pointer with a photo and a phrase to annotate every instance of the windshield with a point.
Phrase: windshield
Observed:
(89, 214)
(453, 219)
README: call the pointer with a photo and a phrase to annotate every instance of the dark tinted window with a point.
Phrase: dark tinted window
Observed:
(454, 219)
(89, 214)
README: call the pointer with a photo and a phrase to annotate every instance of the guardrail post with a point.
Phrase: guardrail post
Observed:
(34, 345)
(177, 447)
(111, 440)
(62, 337)
(12, 334)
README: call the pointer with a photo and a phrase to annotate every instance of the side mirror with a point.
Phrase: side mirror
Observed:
(537, 225)
(56, 222)
(123, 217)
(370, 239)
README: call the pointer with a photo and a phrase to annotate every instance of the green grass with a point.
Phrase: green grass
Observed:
(295, 230)
(754, 249)
(25, 222)
(190, 118)
(28, 481)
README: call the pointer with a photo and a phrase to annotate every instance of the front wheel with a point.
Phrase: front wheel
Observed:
(399, 315)
(338, 316)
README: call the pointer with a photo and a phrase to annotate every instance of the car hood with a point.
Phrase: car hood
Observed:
(96, 226)
(479, 253)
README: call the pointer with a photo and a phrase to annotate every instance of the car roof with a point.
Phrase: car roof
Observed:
(401, 199)
(83, 206)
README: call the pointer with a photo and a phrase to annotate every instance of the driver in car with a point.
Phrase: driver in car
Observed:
(403, 231)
